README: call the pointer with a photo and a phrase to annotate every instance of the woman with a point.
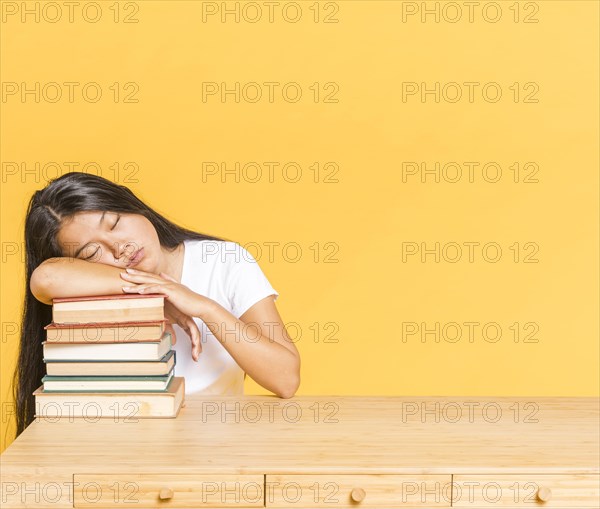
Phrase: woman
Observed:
(85, 235)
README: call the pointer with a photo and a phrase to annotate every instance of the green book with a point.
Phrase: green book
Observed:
(107, 383)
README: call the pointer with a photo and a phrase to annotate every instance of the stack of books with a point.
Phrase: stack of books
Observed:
(109, 356)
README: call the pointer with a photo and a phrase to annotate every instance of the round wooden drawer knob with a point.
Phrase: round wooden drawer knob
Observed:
(544, 494)
(357, 494)
(165, 493)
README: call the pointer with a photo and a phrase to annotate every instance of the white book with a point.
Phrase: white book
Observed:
(141, 350)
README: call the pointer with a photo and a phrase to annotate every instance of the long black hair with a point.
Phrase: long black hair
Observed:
(48, 208)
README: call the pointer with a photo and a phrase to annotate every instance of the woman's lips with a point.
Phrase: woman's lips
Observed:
(137, 257)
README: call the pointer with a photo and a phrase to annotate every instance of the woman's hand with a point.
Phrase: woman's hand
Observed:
(181, 303)
(187, 323)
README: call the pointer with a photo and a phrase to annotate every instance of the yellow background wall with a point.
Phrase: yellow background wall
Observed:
(351, 200)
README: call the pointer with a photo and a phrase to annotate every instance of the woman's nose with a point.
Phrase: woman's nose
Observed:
(120, 249)
(124, 251)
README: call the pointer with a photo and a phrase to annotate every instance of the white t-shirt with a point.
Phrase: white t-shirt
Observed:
(227, 273)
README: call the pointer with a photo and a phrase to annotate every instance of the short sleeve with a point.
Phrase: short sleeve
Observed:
(246, 283)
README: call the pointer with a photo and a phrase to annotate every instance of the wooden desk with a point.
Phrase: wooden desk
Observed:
(308, 452)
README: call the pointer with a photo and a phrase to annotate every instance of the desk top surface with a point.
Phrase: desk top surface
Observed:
(323, 434)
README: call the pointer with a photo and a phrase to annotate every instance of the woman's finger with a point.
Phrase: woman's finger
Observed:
(188, 324)
(194, 334)
(136, 277)
(174, 316)
(171, 310)
(172, 313)
(166, 276)
(169, 328)
(147, 288)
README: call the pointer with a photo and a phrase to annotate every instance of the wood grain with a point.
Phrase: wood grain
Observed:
(553, 442)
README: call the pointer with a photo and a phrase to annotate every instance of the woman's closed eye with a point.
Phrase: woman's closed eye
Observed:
(92, 255)
(112, 228)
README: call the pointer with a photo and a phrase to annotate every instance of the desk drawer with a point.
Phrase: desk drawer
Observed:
(523, 490)
(167, 490)
(361, 490)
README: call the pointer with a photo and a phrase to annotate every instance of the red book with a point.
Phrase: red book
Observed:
(118, 308)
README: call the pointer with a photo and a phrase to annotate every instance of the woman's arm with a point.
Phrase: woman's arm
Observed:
(71, 277)
(259, 343)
